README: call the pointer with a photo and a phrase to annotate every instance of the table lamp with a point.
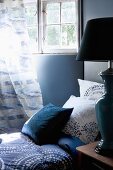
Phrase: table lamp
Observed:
(97, 45)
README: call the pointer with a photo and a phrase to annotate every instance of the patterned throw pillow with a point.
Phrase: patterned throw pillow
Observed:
(82, 122)
(91, 90)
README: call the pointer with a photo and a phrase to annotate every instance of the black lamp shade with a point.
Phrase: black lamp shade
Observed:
(97, 41)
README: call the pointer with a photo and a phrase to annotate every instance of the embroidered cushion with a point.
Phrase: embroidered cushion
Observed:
(91, 90)
(82, 122)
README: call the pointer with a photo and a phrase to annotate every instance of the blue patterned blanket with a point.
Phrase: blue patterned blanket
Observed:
(18, 152)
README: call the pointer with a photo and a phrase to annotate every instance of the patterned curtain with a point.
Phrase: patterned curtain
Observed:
(20, 94)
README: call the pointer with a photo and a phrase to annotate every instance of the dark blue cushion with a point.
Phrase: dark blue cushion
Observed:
(45, 126)
(69, 143)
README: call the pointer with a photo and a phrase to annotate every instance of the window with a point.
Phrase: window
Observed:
(32, 23)
(52, 25)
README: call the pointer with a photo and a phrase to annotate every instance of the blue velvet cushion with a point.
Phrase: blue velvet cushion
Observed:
(45, 126)
(69, 144)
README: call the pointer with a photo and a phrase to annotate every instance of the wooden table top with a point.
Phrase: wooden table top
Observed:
(89, 150)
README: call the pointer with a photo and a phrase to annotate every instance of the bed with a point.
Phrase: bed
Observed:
(18, 151)
(48, 139)
(36, 146)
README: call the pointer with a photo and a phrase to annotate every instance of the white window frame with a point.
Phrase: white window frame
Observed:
(42, 31)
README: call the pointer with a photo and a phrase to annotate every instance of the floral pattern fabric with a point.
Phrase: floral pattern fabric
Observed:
(18, 152)
(82, 122)
(91, 90)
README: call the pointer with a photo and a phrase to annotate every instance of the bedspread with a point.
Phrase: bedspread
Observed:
(18, 152)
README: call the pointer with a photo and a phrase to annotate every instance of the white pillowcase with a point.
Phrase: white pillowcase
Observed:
(82, 122)
(91, 90)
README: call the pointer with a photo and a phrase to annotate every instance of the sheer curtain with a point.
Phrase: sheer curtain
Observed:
(20, 94)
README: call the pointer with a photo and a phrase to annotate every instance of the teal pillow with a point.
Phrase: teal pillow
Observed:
(45, 126)
(69, 143)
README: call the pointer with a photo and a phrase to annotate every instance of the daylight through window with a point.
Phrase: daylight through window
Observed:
(52, 25)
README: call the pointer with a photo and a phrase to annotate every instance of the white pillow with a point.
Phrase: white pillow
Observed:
(82, 122)
(91, 90)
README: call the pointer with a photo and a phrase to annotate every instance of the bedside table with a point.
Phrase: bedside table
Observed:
(88, 159)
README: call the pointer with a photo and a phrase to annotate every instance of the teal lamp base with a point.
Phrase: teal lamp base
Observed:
(104, 114)
(104, 148)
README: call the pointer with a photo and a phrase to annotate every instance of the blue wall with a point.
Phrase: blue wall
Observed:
(58, 76)
(95, 9)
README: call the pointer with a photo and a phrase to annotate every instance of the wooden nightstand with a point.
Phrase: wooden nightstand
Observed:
(88, 159)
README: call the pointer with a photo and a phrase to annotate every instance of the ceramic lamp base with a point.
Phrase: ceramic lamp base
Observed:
(100, 148)
(104, 114)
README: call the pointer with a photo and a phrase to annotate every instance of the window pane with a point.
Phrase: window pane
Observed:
(60, 25)
(33, 32)
(31, 16)
(69, 37)
(32, 23)
(53, 13)
(68, 12)
(53, 35)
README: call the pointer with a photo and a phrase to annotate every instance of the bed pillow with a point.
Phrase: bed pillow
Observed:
(45, 126)
(69, 144)
(90, 89)
(82, 122)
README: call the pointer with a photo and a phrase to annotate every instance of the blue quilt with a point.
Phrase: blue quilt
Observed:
(18, 152)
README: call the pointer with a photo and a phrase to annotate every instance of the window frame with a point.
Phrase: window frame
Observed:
(40, 29)
(58, 50)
